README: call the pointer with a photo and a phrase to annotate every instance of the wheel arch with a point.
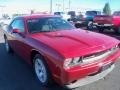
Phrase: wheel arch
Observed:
(32, 55)
(35, 52)
(50, 65)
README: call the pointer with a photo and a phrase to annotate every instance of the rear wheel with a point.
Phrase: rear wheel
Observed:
(42, 71)
(7, 46)
(101, 30)
(117, 30)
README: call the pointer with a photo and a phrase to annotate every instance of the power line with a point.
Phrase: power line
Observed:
(63, 5)
(69, 4)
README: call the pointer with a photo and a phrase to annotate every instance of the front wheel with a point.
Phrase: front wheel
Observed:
(42, 71)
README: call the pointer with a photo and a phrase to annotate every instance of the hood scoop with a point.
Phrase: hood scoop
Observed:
(54, 35)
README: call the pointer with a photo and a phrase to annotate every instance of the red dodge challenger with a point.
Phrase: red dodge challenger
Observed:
(59, 52)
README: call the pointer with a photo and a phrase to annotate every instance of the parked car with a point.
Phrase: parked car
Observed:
(108, 22)
(63, 15)
(58, 13)
(89, 17)
(60, 52)
(77, 19)
(5, 21)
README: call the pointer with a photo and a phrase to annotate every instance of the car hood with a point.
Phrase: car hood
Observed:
(75, 43)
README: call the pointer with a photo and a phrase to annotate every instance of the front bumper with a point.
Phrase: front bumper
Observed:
(82, 75)
(90, 79)
(104, 25)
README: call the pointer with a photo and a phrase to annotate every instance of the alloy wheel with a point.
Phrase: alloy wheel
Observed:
(40, 70)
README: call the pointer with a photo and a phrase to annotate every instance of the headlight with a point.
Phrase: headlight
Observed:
(76, 60)
(67, 62)
(115, 47)
(72, 62)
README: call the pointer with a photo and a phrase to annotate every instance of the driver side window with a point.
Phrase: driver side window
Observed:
(19, 24)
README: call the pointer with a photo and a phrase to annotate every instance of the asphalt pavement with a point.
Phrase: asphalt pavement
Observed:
(15, 74)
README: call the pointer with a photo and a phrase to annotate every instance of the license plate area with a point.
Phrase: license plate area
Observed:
(107, 25)
(105, 67)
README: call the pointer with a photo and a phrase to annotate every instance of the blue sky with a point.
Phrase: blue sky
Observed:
(44, 4)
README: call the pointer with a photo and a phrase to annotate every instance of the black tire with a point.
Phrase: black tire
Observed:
(101, 30)
(7, 46)
(117, 30)
(77, 25)
(48, 80)
(90, 25)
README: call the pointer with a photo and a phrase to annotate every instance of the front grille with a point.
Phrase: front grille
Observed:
(99, 55)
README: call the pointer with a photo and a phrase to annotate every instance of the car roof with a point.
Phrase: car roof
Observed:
(37, 16)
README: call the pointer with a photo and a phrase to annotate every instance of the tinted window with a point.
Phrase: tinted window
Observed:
(58, 13)
(19, 24)
(72, 13)
(48, 24)
(116, 13)
(93, 13)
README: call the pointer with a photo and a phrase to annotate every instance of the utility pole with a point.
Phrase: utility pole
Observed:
(51, 2)
(63, 5)
(58, 6)
(1, 10)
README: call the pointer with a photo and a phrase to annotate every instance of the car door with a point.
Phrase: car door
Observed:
(19, 38)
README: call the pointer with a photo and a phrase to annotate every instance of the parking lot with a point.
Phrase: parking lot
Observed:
(15, 74)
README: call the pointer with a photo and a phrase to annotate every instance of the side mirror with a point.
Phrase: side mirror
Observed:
(16, 30)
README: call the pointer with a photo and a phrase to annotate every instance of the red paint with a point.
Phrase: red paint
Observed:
(114, 20)
(59, 45)
(103, 19)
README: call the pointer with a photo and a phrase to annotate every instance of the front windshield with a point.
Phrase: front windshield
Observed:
(48, 24)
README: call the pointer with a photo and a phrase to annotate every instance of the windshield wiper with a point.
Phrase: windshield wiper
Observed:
(39, 31)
